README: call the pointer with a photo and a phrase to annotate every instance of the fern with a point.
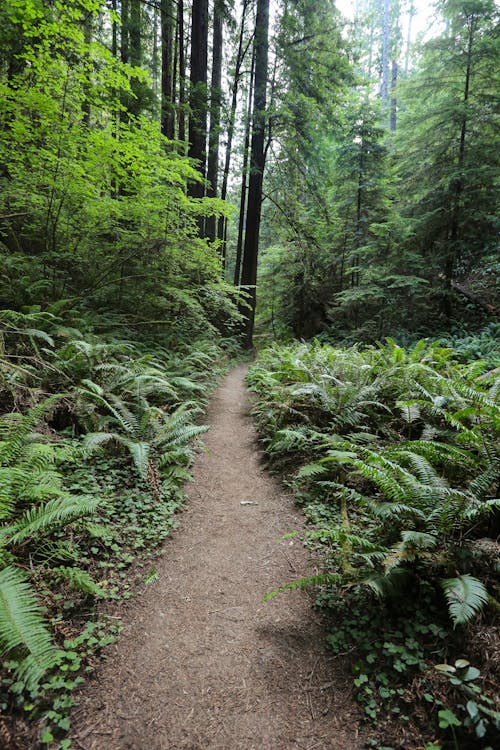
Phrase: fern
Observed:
(52, 514)
(22, 628)
(80, 580)
(466, 596)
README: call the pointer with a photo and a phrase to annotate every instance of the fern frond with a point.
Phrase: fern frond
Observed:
(54, 513)
(80, 580)
(22, 627)
(466, 596)
(140, 455)
(311, 471)
(17, 435)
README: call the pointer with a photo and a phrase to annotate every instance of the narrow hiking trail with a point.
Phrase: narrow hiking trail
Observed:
(203, 663)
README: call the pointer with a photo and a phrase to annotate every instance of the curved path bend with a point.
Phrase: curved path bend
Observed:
(203, 663)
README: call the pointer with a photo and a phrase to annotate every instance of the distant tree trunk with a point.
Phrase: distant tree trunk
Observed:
(394, 80)
(198, 92)
(135, 32)
(182, 72)
(244, 178)
(124, 31)
(87, 34)
(411, 14)
(251, 250)
(215, 107)
(155, 67)
(453, 252)
(384, 88)
(240, 56)
(114, 32)
(167, 91)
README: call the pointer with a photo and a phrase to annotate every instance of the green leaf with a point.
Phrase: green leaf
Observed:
(466, 596)
(22, 627)
(448, 719)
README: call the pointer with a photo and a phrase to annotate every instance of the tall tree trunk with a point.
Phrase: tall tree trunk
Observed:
(135, 32)
(114, 32)
(155, 67)
(251, 251)
(215, 107)
(167, 91)
(244, 178)
(182, 72)
(124, 31)
(453, 252)
(198, 92)
(411, 14)
(384, 88)
(87, 35)
(394, 80)
(240, 56)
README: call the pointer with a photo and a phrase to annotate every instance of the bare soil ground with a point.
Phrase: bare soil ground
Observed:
(204, 663)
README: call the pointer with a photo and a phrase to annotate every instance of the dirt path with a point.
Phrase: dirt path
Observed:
(203, 663)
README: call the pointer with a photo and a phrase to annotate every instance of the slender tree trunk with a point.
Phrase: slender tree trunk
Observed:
(411, 14)
(240, 56)
(458, 184)
(87, 35)
(182, 72)
(251, 250)
(198, 92)
(124, 31)
(244, 179)
(394, 80)
(114, 32)
(175, 71)
(167, 91)
(384, 88)
(155, 61)
(135, 32)
(215, 107)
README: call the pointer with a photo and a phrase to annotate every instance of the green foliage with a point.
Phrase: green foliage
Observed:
(394, 454)
(370, 231)
(75, 516)
(466, 596)
(22, 627)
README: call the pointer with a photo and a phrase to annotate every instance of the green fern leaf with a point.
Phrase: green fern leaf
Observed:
(22, 627)
(54, 513)
(466, 596)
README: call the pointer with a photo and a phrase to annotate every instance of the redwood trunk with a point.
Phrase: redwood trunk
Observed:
(251, 250)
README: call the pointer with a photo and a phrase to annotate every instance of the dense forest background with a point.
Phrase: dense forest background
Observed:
(376, 211)
(183, 179)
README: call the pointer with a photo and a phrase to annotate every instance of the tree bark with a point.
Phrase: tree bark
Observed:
(215, 107)
(198, 92)
(124, 31)
(240, 56)
(394, 101)
(244, 179)
(458, 185)
(384, 88)
(411, 13)
(167, 92)
(181, 128)
(251, 250)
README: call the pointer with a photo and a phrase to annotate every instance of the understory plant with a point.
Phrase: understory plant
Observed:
(394, 454)
(80, 520)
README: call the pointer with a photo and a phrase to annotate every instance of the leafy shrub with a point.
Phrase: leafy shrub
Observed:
(394, 453)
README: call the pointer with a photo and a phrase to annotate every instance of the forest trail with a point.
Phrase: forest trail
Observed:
(203, 663)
